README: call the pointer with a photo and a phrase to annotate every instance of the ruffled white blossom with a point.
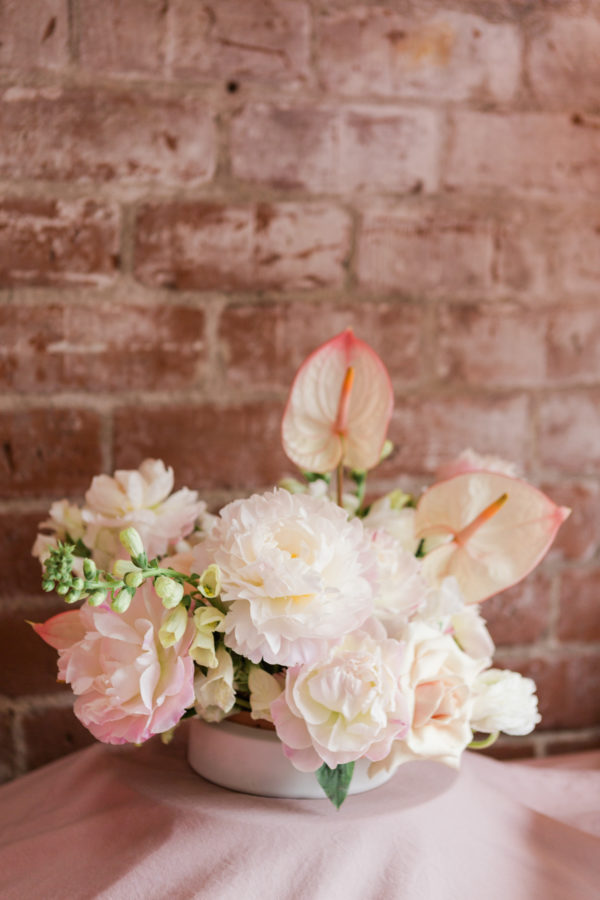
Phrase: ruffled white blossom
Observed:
(215, 693)
(504, 701)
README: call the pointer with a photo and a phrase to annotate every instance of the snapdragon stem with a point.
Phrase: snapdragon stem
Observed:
(484, 742)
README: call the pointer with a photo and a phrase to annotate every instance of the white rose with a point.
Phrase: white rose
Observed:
(346, 706)
(504, 701)
(215, 694)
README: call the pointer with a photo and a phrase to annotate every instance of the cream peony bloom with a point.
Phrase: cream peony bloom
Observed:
(296, 575)
(345, 706)
(389, 513)
(402, 589)
(504, 701)
(215, 693)
(140, 498)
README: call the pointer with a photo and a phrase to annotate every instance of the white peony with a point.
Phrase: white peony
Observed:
(504, 701)
(346, 706)
(296, 575)
(402, 589)
(140, 498)
(446, 609)
(392, 515)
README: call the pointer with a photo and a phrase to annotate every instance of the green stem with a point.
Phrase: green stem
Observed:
(340, 484)
(484, 742)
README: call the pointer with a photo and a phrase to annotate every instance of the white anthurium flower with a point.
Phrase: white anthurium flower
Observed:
(504, 701)
(493, 530)
(339, 407)
(264, 690)
(214, 692)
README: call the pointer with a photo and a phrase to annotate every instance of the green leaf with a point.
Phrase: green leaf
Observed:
(317, 476)
(335, 782)
(79, 549)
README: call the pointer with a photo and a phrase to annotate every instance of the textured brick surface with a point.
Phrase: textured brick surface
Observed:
(520, 615)
(378, 50)
(19, 572)
(205, 246)
(48, 451)
(564, 63)
(208, 446)
(19, 643)
(57, 242)
(7, 750)
(34, 35)
(417, 250)
(52, 733)
(111, 39)
(265, 345)
(333, 150)
(232, 39)
(105, 346)
(101, 135)
(569, 428)
(524, 151)
(579, 537)
(579, 605)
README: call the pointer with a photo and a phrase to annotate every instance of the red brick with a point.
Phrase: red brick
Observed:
(529, 151)
(527, 244)
(580, 255)
(336, 150)
(492, 344)
(574, 744)
(7, 749)
(567, 688)
(100, 135)
(564, 63)
(376, 50)
(20, 573)
(573, 345)
(62, 733)
(521, 614)
(104, 346)
(579, 618)
(209, 446)
(569, 432)
(512, 748)
(35, 37)
(48, 451)
(264, 345)
(232, 39)
(579, 537)
(429, 250)
(429, 431)
(122, 37)
(29, 666)
(57, 242)
(287, 246)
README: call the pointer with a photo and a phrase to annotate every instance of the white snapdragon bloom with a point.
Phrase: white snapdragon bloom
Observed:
(142, 499)
(215, 693)
(504, 701)
(264, 690)
(344, 706)
(65, 522)
(296, 575)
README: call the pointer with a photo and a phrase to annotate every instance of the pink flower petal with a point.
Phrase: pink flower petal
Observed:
(61, 631)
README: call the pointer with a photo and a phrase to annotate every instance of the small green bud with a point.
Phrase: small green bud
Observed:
(122, 567)
(63, 589)
(73, 596)
(134, 579)
(132, 541)
(210, 582)
(78, 584)
(96, 598)
(120, 603)
(169, 591)
(47, 586)
(386, 449)
(89, 568)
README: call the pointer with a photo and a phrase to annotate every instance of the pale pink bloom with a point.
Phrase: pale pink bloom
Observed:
(140, 498)
(491, 531)
(402, 590)
(65, 522)
(296, 575)
(398, 521)
(445, 609)
(128, 686)
(504, 701)
(343, 707)
(339, 407)
(471, 461)
(437, 680)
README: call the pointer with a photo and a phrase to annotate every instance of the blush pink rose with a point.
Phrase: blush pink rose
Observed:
(128, 686)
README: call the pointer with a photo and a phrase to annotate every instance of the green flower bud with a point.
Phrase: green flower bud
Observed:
(122, 567)
(89, 568)
(134, 579)
(132, 541)
(78, 584)
(169, 591)
(73, 596)
(63, 589)
(210, 582)
(96, 598)
(120, 603)
(47, 586)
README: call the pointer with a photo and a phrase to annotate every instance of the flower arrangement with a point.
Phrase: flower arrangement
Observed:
(351, 629)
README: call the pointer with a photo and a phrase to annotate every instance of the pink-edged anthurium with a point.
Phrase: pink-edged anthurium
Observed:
(488, 530)
(339, 407)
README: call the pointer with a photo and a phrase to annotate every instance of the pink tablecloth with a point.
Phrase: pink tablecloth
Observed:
(138, 823)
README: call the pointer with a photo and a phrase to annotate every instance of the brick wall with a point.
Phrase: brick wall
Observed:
(196, 194)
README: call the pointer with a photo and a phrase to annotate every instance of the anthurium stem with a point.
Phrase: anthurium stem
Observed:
(340, 484)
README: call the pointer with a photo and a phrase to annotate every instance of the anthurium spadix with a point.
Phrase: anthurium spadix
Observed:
(489, 531)
(339, 407)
